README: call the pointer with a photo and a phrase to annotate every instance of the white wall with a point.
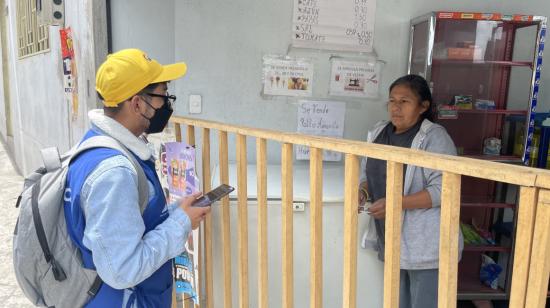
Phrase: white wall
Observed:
(147, 25)
(3, 129)
(40, 117)
(223, 43)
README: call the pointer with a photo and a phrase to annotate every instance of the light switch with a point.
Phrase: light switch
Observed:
(195, 103)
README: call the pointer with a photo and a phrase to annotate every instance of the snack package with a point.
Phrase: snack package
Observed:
(489, 272)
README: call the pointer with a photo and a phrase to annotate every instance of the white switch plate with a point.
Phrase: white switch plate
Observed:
(195, 103)
(298, 206)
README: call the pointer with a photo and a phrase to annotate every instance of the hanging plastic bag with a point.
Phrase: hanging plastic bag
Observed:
(489, 272)
(370, 238)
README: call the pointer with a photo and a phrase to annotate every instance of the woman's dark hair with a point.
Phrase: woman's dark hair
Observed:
(420, 87)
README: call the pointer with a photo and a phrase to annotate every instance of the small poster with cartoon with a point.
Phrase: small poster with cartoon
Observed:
(180, 161)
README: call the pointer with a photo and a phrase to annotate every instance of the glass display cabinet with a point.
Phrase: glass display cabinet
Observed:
(484, 72)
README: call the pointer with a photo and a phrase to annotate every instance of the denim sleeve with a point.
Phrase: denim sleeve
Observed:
(123, 255)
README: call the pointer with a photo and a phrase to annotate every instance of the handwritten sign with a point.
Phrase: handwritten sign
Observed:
(346, 25)
(355, 78)
(321, 118)
(287, 76)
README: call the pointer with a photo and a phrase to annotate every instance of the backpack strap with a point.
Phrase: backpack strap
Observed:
(109, 142)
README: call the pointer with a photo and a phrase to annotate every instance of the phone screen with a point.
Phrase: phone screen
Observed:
(214, 195)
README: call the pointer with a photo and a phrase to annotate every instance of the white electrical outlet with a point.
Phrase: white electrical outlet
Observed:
(195, 103)
(298, 206)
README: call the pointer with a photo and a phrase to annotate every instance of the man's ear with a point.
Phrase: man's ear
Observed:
(134, 103)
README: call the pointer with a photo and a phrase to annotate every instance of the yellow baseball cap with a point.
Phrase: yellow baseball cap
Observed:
(129, 71)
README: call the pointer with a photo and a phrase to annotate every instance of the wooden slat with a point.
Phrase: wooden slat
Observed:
(226, 238)
(448, 240)
(287, 226)
(207, 186)
(392, 252)
(517, 175)
(189, 303)
(261, 175)
(177, 128)
(174, 298)
(316, 227)
(350, 231)
(539, 271)
(190, 134)
(524, 240)
(242, 214)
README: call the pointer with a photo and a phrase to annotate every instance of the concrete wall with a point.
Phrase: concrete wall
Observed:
(40, 116)
(223, 43)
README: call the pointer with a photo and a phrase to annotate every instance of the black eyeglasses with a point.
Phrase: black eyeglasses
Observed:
(168, 99)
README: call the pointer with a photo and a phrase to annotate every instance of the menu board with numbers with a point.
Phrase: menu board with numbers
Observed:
(345, 25)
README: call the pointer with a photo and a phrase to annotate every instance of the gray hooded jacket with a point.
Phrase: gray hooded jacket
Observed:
(420, 230)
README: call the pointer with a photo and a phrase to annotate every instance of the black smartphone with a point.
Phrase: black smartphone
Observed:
(214, 195)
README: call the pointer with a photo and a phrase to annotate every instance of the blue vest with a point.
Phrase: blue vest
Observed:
(155, 291)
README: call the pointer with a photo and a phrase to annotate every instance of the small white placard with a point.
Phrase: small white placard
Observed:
(355, 78)
(321, 118)
(287, 76)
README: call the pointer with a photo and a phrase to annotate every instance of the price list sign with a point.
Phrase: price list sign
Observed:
(344, 25)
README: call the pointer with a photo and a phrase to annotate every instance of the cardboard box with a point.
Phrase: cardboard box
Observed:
(472, 53)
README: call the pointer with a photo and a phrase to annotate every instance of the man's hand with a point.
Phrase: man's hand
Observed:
(378, 209)
(196, 214)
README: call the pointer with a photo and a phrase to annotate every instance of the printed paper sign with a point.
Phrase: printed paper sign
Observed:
(286, 76)
(346, 25)
(70, 80)
(355, 78)
(177, 169)
(321, 118)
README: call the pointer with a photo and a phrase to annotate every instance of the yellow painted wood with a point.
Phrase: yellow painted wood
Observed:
(261, 175)
(177, 127)
(522, 252)
(316, 227)
(539, 267)
(207, 186)
(518, 175)
(287, 226)
(226, 237)
(392, 252)
(448, 240)
(350, 231)
(190, 135)
(242, 214)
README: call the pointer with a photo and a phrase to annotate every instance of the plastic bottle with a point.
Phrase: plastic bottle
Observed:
(535, 148)
(543, 144)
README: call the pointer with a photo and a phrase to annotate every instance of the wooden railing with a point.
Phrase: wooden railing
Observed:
(531, 255)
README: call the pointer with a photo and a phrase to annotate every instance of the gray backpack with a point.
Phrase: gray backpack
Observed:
(48, 265)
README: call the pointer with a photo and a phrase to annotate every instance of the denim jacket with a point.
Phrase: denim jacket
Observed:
(122, 255)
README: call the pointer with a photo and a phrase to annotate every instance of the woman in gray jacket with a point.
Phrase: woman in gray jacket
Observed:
(410, 126)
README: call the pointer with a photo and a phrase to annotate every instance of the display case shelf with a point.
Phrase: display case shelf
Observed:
(471, 288)
(481, 62)
(489, 205)
(496, 158)
(486, 248)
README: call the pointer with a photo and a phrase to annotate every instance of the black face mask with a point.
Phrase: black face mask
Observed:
(158, 121)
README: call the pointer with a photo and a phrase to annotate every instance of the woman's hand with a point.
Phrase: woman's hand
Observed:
(378, 209)
(362, 198)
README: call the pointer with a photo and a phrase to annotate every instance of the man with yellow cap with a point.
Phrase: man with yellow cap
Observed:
(131, 248)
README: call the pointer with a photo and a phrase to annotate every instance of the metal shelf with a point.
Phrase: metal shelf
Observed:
(486, 248)
(482, 62)
(489, 205)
